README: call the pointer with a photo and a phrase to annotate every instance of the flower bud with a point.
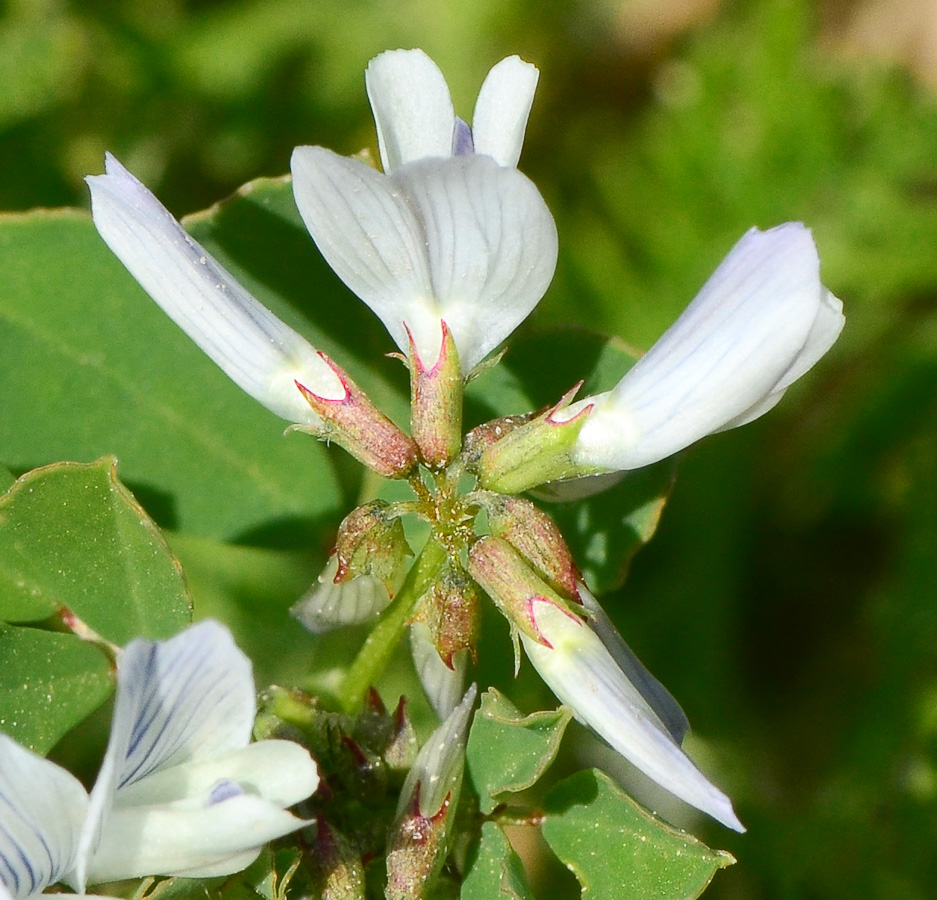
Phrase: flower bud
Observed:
(418, 842)
(337, 869)
(436, 403)
(371, 541)
(535, 536)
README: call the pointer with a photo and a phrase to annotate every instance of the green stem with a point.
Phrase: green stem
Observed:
(377, 650)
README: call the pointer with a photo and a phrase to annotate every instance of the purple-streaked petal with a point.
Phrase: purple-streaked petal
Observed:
(41, 810)
(411, 105)
(502, 110)
(257, 351)
(188, 698)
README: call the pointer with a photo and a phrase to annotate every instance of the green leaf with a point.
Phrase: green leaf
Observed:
(6, 478)
(617, 849)
(49, 682)
(496, 871)
(72, 536)
(508, 751)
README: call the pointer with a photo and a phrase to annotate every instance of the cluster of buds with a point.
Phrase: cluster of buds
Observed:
(452, 247)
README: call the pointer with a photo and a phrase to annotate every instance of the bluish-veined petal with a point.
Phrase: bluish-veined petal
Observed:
(439, 764)
(658, 698)
(190, 697)
(42, 808)
(444, 687)
(328, 605)
(502, 110)
(761, 320)
(279, 771)
(583, 674)
(257, 351)
(163, 839)
(411, 105)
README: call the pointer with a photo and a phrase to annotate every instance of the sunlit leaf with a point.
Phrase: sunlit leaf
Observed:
(616, 849)
(49, 682)
(496, 871)
(73, 537)
(508, 751)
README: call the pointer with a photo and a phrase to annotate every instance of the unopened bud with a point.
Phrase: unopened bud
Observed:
(402, 749)
(535, 536)
(356, 424)
(418, 843)
(337, 869)
(436, 403)
(371, 541)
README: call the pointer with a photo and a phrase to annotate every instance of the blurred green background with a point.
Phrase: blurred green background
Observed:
(790, 598)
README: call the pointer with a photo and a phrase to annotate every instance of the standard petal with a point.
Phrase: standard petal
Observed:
(190, 697)
(582, 673)
(730, 349)
(328, 605)
(491, 245)
(41, 810)
(216, 839)
(367, 232)
(411, 105)
(502, 110)
(279, 771)
(257, 351)
(444, 687)
(654, 693)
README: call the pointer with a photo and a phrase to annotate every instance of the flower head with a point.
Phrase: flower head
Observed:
(450, 231)
(181, 790)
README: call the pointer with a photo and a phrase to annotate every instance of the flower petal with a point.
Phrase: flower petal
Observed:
(411, 105)
(188, 698)
(41, 810)
(257, 351)
(502, 110)
(658, 698)
(279, 771)
(759, 322)
(582, 673)
(491, 245)
(216, 839)
(444, 687)
(328, 605)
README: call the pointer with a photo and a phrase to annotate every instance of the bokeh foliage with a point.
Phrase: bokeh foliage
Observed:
(789, 598)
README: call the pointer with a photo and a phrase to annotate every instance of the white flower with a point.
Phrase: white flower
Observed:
(451, 231)
(759, 323)
(591, 670)
(257, 351)
(181, 790)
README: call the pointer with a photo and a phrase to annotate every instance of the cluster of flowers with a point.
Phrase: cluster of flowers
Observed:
(452, 247)
(181, 791)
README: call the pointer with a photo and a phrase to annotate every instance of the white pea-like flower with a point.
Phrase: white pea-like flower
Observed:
(590, 669)
(450, 231)
(761, 321)
(262, 355)
(181, 791)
